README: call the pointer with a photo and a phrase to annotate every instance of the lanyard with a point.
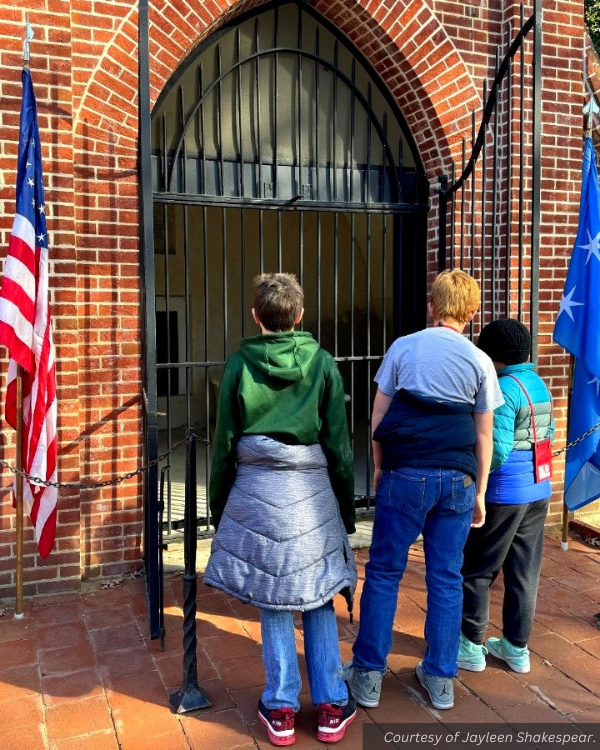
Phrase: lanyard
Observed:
(443, 325)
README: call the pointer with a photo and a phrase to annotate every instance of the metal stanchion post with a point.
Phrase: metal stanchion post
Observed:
(19, 499)
(564, 543)
(190, 697)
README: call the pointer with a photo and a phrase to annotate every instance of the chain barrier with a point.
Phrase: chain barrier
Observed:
(172, 449)
(106, 482)
(577, 440)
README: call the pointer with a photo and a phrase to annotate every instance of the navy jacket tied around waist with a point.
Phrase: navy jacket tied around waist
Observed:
(420, 432)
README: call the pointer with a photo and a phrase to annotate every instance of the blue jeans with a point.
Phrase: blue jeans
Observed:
(322, 652)
(408, 502)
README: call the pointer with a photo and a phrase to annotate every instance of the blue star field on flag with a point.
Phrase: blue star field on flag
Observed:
(30, 188)
(577, 329)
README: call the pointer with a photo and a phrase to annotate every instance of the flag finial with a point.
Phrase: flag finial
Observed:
(28, 37)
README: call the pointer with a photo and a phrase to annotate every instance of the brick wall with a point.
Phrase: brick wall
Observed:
(433, 56)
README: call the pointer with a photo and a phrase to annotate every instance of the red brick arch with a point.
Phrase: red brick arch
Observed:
(407, 46)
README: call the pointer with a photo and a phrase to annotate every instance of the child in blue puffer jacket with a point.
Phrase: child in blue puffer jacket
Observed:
(516, 507)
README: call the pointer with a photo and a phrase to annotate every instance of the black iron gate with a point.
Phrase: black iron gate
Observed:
(489, 216)
(274, 147)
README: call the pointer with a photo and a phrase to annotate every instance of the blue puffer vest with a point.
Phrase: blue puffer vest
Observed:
(512, 480)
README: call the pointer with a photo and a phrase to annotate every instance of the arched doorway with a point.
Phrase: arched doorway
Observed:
(275, 146)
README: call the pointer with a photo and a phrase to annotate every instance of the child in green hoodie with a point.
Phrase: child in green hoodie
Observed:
(282, 502)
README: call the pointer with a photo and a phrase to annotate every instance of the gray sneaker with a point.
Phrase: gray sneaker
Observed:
(365, 685)
(440, 689)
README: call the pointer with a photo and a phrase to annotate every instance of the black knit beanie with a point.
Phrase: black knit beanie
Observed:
(505, 340)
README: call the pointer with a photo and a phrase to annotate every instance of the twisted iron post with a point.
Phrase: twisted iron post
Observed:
(189, 697)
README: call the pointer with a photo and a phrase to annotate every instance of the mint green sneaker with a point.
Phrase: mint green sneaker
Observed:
(471, 656)
(516, 658)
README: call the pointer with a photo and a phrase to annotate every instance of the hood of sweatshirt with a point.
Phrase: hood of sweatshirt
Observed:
(286, 356)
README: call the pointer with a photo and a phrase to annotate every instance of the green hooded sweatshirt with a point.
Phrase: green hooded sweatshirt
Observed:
(285, 386)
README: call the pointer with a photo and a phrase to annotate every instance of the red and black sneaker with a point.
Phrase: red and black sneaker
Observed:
(333, 720)
(279, 723)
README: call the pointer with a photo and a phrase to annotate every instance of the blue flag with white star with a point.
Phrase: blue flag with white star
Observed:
(577, 329)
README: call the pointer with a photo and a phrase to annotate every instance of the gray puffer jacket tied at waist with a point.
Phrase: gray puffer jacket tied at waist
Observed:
(281, 543)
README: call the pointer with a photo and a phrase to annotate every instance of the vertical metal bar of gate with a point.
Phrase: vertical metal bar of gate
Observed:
(384, 160)
(462, 207)
(350, 169)
(151, 515)
(508, 224)
(239, 115)
(220, 121)
(188, 333)
(187, 296)
(168, 371)
(384, 280)
(483, 214)
(317, 87)
(352, 310)
(279, 244)
(494, 243)
(205, 370)
(225, 290)
(368, 380)
(275, 102)
(521, 171)
(243, 264)
(398, 263)
(299, 190)
(203, 187)
(366, 193)
(301, 251)
(319, 276)
(207, 358)
(259, 187)
(261, 241)
(165, 167)
(334, 122)
(442, 219)
(335, 283)
(188, 308)
(452, 215)
(536, 179)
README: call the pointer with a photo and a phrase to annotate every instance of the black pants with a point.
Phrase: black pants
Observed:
(511, 540)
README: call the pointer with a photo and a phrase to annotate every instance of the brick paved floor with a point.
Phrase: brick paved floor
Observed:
(79, 672)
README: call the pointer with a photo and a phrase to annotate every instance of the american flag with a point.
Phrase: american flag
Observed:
(25, 328)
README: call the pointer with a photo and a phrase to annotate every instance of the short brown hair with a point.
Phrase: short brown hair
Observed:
(454, 295)
(278, 300)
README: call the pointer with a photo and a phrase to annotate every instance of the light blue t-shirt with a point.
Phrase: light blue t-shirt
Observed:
(443, 365)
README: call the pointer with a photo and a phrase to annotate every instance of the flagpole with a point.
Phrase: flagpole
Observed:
(19, 498)
(564, 544)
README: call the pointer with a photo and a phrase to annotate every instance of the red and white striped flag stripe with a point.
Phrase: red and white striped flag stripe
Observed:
(25, 329)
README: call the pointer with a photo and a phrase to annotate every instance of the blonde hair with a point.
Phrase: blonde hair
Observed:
(454, 295)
